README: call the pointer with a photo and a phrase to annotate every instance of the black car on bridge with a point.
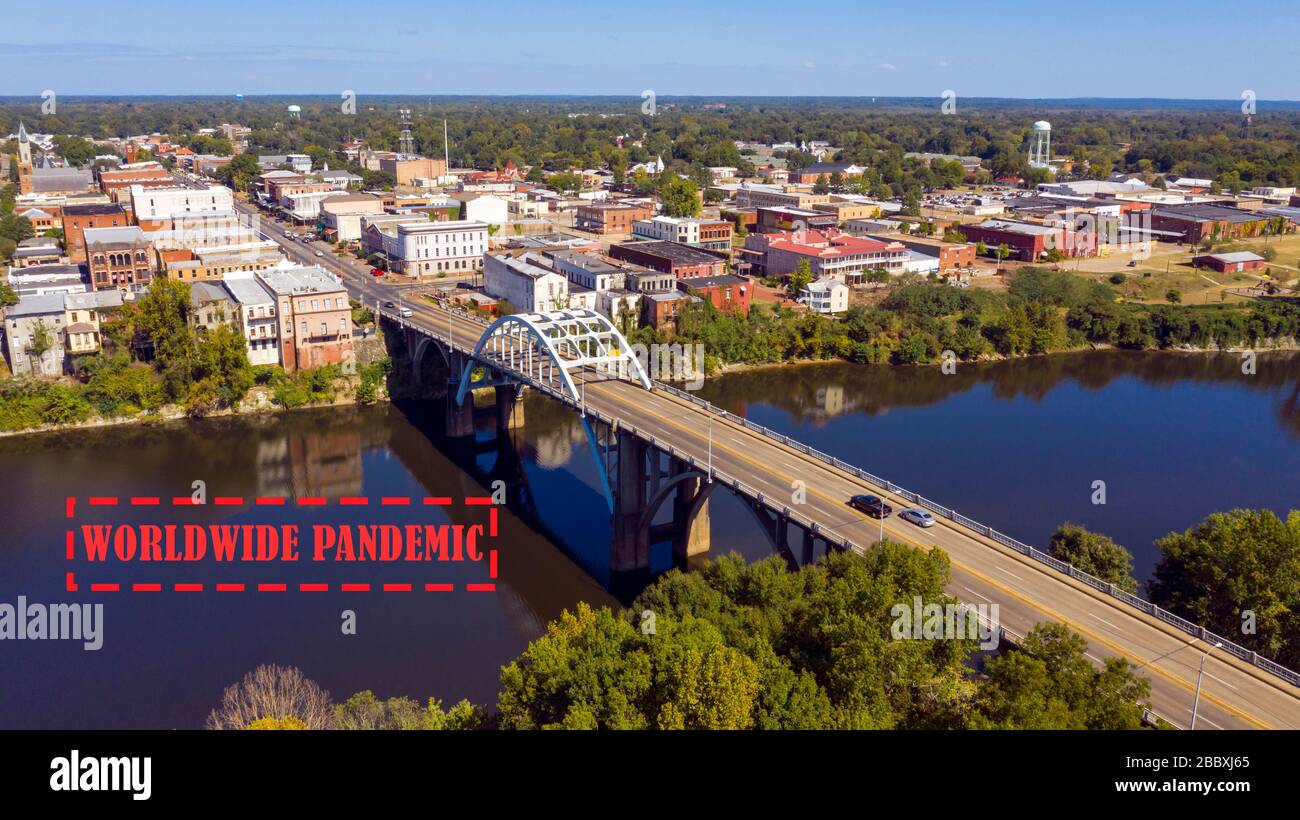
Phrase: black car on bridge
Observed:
(872, 505)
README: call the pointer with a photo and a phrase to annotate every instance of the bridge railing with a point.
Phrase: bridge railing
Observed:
(1063, 567)
(1137, 602)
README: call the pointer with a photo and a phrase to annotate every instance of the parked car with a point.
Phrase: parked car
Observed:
(872, 505)
(376, 272)
(917, 516)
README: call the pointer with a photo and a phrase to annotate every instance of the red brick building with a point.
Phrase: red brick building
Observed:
(729, 294)
(77, 218)
(119, 258)
(683, 261)
(1230, 262)
(611, 217)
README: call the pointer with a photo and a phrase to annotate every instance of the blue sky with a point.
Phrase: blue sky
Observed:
(1144, 48)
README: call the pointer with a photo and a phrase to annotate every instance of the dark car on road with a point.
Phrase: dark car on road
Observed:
(872, 505)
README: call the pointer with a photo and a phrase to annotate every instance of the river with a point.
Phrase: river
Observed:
(1016, 444)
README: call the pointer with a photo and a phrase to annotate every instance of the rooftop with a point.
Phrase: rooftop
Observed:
(676, 252)
(285, 282)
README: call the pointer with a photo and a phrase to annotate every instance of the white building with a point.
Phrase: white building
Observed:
(487, 208)
(433, 248)
(668, 229)
(306, 205)
(526, 283)
(157, 208)
(299, 163)
(825, 296)
(257, 317)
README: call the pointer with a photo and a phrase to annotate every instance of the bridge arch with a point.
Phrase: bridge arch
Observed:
(546, 347)
(664, 492)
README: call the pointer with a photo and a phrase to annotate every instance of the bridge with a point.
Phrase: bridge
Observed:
(663, 450)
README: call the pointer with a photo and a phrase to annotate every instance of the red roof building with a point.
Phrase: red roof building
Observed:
(830, 253)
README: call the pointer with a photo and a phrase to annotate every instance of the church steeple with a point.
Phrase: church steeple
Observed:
(24, 160)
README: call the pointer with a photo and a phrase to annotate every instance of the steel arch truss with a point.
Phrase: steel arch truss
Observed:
(549, 347)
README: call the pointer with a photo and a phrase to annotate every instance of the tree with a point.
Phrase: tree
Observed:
(241, 173)
(1095, 554)
(272, 691)
(680, 197)
(564, 183)
(799, 279)
(1231, 564)
(1049, 683)
(821, 186)
(364, 711)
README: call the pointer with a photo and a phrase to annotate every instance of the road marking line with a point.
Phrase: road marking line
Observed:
(1008, 572)
(1106, 622)
(1051, 613)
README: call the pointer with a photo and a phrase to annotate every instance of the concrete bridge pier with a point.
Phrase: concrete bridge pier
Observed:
(460, 417)
(509, 406)
(629, 551)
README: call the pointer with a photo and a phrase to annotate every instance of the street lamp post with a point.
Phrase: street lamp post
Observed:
(1196, 701)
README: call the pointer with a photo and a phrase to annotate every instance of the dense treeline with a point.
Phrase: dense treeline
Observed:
(1042, 311)
(737, 646)
(560, 133)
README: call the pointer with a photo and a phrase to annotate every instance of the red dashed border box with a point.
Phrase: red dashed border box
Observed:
(70, 511)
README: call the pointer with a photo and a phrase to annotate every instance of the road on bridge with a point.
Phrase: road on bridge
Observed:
(1233, 693)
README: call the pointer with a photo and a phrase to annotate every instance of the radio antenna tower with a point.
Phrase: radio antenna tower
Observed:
(407, 141)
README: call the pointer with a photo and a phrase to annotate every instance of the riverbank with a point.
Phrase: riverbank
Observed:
(1282, 346)
(260, 401)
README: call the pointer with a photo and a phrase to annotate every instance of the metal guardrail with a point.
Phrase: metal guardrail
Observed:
(1137, 602)
(1182, 624)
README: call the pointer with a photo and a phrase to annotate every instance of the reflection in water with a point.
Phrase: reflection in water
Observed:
(1018, 444)
(166, 657)
(817, 392)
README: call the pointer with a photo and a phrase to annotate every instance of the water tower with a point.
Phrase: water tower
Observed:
(1040, 152)
(295, 111)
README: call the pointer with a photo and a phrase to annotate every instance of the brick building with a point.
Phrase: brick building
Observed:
(611, 217)
(78, 218)
(671, 257)
(729, 294)
(315, 317)
(119, 258)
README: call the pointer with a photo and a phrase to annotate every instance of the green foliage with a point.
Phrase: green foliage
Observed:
(1049, 683)
(1095, 554)
(364, 711)
(371, 376)
(306, 386)
(1233, 563)
(680, 197)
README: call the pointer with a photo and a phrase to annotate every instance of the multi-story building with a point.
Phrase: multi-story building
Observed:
(119, 258)
(713, 234)
(670, 257)
(826, 296)
(34, 335)
(39, 250)
(78, 218)
(257, 318)
(212, 306)
(429, 249)
(951, 255)
(729, 294)
(145, 174)
(41, 331)
(299, 163)
(341, 215)
(407, 169)
(315, 317)
(772, 196)
(611, 217)
(527, 282)
(828, 253)
(156, 208)
(81, 315)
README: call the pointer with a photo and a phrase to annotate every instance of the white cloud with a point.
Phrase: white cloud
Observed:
(809, 64)
(888, 67)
